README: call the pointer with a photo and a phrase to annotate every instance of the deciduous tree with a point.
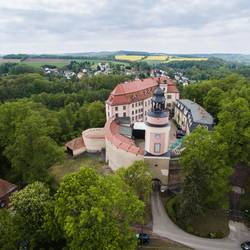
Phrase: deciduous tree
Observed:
(30, 205)
(205, 171)
(139, 178)
(95, 212)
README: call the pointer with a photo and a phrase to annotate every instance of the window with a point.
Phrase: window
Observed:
(157, 136)
(133, 112)
(157, 147)
(116, 115)
(108, 114)
(116, 108)
(136, 111)
(132, 105)
(169, 96)
(124, 114)
(169, 104)
(124, 107)
(145, 103)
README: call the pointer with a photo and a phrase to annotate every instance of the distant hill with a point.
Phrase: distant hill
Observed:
(113, 53)
(240, 58)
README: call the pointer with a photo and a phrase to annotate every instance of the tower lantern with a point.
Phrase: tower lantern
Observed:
(157, 125)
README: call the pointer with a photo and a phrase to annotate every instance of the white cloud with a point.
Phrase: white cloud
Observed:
(153, 25)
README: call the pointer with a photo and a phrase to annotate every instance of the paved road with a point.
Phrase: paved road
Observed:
(163, 226)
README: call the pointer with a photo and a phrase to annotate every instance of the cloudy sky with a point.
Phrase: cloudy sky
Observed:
(170, 26)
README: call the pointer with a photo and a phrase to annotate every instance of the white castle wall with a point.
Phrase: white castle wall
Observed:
(117, 158)
(94, 139)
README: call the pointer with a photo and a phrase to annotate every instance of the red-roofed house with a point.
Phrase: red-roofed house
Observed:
(92, 141)
(132, 98)
(76, 146)
(6, 189)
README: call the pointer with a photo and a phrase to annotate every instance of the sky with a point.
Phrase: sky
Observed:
(167, 26)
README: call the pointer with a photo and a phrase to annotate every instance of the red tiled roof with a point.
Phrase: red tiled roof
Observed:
(6, 188)
(112, 134)
(172, 87)
(75, 144)
(137, 90)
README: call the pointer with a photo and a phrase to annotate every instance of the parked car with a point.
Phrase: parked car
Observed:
(180, 133)
(143, 238)
(245, 245)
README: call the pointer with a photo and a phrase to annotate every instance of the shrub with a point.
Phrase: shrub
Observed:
(170, 207)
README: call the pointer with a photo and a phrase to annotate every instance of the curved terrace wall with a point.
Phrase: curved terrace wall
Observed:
(94, 139)
(120, 150)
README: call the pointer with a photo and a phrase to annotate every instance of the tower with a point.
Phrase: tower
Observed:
(157, 126)
(157, 131)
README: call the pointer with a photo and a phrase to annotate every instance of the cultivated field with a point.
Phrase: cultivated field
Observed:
(188, 59)
(157, 58)
(2, 60)
(131, 58)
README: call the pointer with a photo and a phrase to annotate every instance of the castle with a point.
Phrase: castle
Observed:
(138, 127)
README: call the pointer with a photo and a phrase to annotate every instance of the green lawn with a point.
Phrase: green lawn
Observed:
(156, 243)
(60, 64)
(212, 224)
(71, 165)
(40, 64)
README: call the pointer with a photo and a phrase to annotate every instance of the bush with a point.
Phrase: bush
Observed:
(170, 207)
(192, 227)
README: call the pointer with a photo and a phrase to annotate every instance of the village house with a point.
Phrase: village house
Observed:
(6, 189)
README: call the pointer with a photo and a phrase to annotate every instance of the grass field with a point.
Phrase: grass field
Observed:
(71, 165)
(40, 64)
(156, 243)
(212, 224)
(62, 63)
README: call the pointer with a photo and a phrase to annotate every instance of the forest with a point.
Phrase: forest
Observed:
(39, 113)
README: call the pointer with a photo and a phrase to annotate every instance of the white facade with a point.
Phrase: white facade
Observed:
(157, 139)
(137, 110)
(79, 151)
(94, 139)
(117, 157)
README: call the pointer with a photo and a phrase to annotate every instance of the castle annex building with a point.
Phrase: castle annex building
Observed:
(189, 115)
(132, 98)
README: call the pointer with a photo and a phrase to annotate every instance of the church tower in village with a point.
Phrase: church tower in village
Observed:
(157, 134)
